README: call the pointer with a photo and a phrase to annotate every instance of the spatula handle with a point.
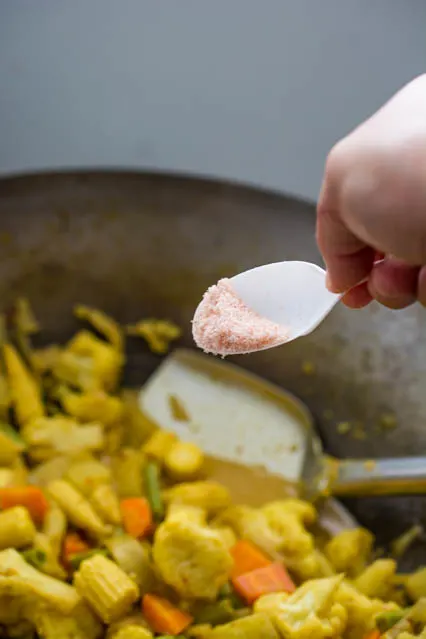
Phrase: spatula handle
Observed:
(398, 476)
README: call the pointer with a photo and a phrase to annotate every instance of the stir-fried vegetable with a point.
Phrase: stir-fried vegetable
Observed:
(110, 527)
(137, 516)
(153, 490)
(163, 617)
(262, 581)
(31, 497)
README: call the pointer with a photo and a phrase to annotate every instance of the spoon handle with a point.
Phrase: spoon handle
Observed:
(393, 476)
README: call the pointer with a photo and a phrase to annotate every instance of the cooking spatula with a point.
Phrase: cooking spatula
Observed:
(236, 416)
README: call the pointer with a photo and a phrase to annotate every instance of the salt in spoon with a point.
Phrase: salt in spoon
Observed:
(262, 308)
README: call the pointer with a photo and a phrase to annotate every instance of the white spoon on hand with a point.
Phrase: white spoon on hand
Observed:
(262, 308)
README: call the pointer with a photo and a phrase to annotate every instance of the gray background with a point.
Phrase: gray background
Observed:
(253, 90)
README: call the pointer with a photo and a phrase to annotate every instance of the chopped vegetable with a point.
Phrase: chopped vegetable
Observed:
(386, 620)
(254, 584)
(401, 544)
(102, 324)
(373, 634)
(87, 473)
(105, 501)
(31, 497)
(17, 529)
(35, 557)
(11, 444)
(127, 469)
(73, 545)
(157, 333)
(106, 588)
(247, 558)
(163, 617)
(215, 613)
(191, 558)
(153, 490)
(376, 579)
(19, 578)
(159, 445)
(415, 584)
(26, 397)
(77, 559)
(137, 516)
(78, 511)
(134, 559)
(184, 461)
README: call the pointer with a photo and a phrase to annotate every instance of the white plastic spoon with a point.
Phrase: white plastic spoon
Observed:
(262, 308)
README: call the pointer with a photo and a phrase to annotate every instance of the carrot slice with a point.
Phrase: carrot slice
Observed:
(31, 497)
(163, 617)
(254, 584)
(373, 634)
(247, 557)
(73, 545)
(137, 516)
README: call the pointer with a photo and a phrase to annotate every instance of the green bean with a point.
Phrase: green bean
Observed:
(153, 490)
(215, 614)
(77, 559)
(35, 557)
(386, 620)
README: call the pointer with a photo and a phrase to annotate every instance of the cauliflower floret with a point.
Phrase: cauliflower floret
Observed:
(51, 624)
(271, 603)
(48, 437)
(350, 550)
(256, 626)
(287, 519)
(361, 610)
(191, 558)
(251, 524)
(210, 495)
(311, 566)
(180, 512)
(312, 612)
(376, 579)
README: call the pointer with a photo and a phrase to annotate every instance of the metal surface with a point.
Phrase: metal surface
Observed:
(150, 245)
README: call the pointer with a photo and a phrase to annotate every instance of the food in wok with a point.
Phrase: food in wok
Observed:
(111, 527)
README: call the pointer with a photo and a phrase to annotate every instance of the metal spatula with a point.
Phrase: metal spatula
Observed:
(239, 417)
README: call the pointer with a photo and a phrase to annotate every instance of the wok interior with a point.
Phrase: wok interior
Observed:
(149, 245)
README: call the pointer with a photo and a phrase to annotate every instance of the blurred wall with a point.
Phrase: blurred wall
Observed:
(253, 90)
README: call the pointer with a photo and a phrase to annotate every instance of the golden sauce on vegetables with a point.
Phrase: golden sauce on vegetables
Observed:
(111, 527)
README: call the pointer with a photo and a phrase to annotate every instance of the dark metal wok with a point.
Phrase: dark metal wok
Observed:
(138, 244)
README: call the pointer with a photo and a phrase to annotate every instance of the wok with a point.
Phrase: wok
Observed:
(148, 245)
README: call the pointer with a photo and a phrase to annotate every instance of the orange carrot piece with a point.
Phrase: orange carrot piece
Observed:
(163, 617)
(247, 557)
(31, 497)
(73, 545)
(254, 584)
(373, 634)
(137, 516)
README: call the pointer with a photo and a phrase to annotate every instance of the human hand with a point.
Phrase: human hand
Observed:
(371, 218)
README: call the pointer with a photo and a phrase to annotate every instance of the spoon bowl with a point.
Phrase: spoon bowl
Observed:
(292, 294)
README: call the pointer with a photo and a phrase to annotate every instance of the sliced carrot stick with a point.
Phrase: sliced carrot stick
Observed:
(254, 584)
(163, 617)
(73, 545)
(137, 518)
(31, 497)
(247, 557)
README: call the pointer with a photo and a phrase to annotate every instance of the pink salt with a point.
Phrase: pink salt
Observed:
(224, 325)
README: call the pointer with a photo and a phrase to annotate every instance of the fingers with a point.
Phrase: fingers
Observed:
(392, 283)
(358, 297)
(348, 259)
